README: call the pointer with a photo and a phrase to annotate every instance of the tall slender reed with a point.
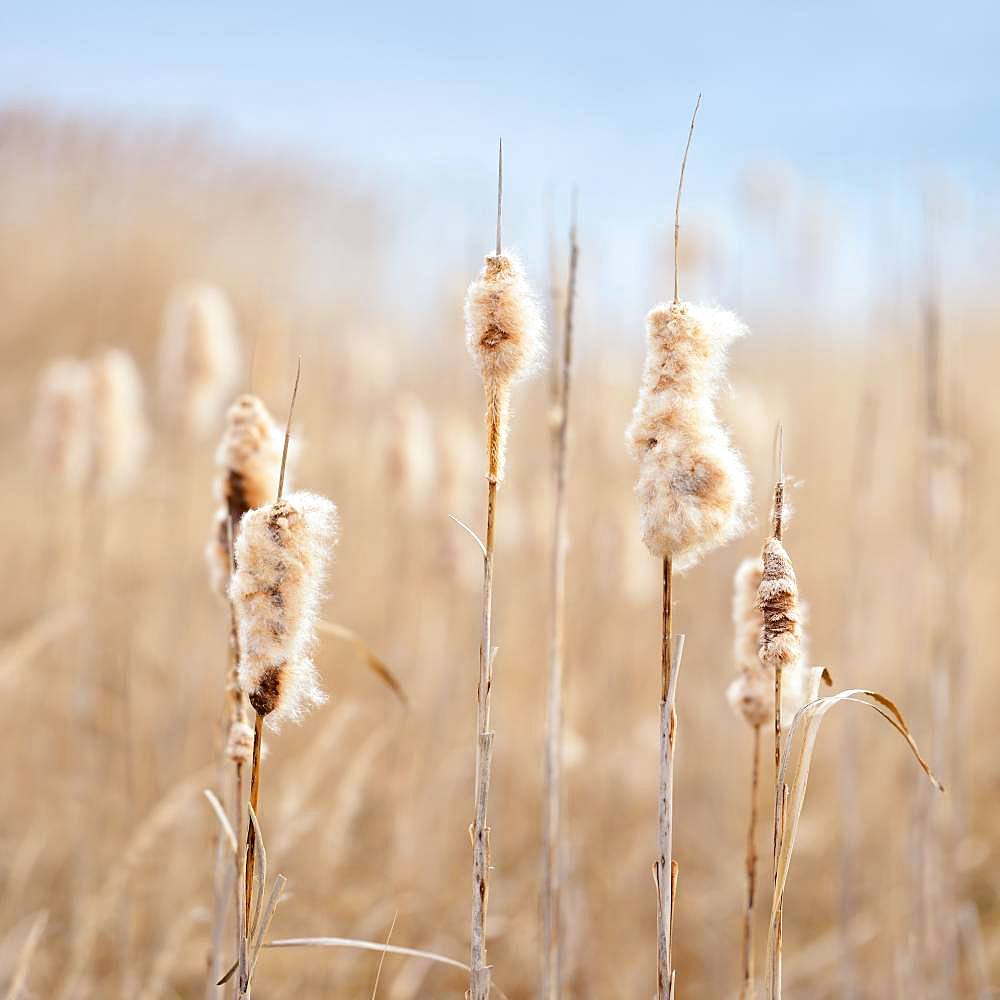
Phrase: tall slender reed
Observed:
(249, 459)
(551, 864)
(750, 697)
(693, 491)
(780, 650)
(504, 331)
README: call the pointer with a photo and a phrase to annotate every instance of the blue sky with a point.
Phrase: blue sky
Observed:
(863, 101)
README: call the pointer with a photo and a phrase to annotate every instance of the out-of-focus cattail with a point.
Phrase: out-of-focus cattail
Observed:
(405, 446)
(62, 423)
(281, 557)
(121, 434)
(249, 460)
(504, 333)
(692, 487)
(199, 356)
(781, 615)
(751, 696)
(239, 744)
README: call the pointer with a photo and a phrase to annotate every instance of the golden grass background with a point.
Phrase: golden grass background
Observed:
(113, 650)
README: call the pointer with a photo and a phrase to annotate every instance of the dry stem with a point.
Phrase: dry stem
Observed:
(551, 978)
(258, 728)
(668, 726)
(479, 977)
(746, 992)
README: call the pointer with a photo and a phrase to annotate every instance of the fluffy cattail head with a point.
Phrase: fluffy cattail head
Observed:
(121, 434)
(746, 614)
(62, 424)
(781, 613)
(692, 486)
(239, 744)
(751, 695)
(281, 557)
(504, 333)
(199, 356)
(249, 460)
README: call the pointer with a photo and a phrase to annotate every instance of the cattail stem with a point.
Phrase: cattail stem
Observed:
(669, 668)
(258, 731)
(552, 874)
(479, 979)
(746, 952)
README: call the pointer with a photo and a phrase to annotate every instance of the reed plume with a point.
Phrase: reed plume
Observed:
(61, 430)
(693, 497)
(504, 330)
(120, 431)
(199, 356)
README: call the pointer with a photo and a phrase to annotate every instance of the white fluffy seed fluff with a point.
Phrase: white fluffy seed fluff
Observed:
(505, 335)
(121, 434)
(249, 461)
(61, 433)
(781, 613)
(751, 695)
(239, 745)
(693, 487)
(199, 356)
(282, 554)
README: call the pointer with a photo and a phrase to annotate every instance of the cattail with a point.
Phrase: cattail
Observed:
(239, 744)
(404, 442)
(61, 429)
(781, 616)
(281, 557)
(503, 328)
(249, 460)
(121, 434)
(199, 356)
(692, 487)
(504, 333)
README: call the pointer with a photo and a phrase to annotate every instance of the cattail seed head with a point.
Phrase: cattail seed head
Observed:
(239, 745)
(781, 613)
(692, 486)
(199, 356)
(121, 434)
(281, 557)
(249, 460)
(61, 427)
(751, 695)
(746, 614)
(504, 333)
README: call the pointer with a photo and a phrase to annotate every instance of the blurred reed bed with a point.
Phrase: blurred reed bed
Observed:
(113, 650)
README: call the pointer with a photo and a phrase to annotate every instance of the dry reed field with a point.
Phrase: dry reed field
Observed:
(167, 601)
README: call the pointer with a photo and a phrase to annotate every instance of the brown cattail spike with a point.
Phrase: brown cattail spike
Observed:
(281, 557)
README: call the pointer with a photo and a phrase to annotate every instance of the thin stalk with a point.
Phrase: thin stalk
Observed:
(552, 872)
(780, 790)
(258, 730)
(746, 953)
(479, 978)
(677, 204)
(664, 867)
